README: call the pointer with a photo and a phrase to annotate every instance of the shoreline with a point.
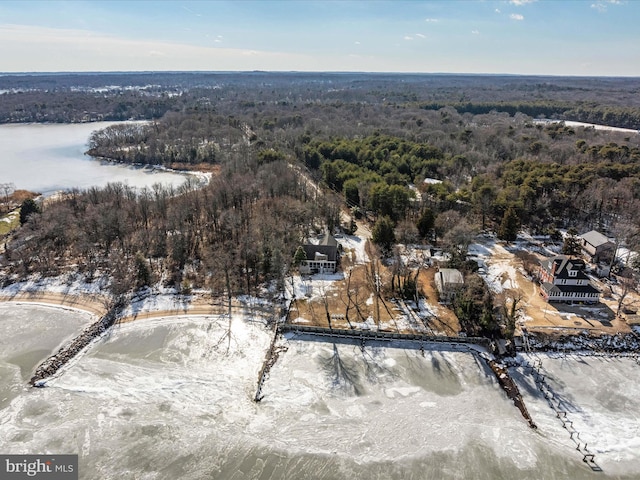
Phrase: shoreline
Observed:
(83, 302)
(197, 305)
(96, 305)
(201, 172)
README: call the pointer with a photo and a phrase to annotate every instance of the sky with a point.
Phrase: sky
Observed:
(545, 37)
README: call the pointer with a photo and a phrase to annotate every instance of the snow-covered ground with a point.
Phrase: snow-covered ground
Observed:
(571, 123)
(494, 264)
(65, 284)
(354, 246)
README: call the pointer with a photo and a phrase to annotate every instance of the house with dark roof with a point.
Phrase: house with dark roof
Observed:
(563, 279)
(321, 258)
(596, 247)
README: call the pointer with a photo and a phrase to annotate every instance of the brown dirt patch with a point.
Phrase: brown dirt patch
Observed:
(344, 303)
(337, 308)
(445, 321)
(557, 317)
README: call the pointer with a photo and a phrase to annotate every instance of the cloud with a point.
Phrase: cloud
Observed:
(419, 35)
(521, 2)
(602, 6)
(356, 43)
(431, 20)
(516, 16)
(497, 10)
(408, 37)
(475, 32)
(191, 11)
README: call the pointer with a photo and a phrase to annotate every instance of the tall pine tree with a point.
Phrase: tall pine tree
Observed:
(509, 226)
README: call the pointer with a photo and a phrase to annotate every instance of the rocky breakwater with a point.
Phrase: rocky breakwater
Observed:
(511, 389)
(621, 344)
(55, 362)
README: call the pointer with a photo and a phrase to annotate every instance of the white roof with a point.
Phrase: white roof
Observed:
(451, 276)
(432, 181)
(595, 238)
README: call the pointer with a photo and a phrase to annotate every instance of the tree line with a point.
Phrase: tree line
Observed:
(436, 176)
(235, 235)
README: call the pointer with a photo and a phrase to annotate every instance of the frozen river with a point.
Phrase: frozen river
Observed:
(46, 158)
(172, 399)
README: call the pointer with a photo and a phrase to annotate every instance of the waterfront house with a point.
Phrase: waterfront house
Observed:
(321, 258)
(563, 279)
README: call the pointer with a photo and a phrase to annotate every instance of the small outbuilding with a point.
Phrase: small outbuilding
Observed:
(596, 247)
(448, 281)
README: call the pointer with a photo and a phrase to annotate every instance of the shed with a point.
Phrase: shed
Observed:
(448, 282)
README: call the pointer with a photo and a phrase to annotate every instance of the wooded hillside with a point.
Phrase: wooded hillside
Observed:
(373, 139)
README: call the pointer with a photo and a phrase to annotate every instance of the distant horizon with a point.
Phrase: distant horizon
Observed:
(582, 38)
(310, 72)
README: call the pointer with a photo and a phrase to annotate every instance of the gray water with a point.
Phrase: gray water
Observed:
(46, 158)
(172, 399)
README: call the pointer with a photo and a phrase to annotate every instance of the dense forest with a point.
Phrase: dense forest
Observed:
(123, 96)
(427, 159)
(233, 235)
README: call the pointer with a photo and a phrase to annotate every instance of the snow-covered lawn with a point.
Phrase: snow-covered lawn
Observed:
(495, 265)
(352, 243)
(65, 284)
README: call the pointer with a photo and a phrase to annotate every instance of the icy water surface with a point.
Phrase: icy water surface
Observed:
(46, 158)
(172, 399)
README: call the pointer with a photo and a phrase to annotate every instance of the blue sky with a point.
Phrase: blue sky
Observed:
(555, 37)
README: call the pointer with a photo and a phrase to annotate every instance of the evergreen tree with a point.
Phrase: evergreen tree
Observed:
(571, 245)
(299, 257)
(143, 272)
(509, 226)
(383, 234)
(28, 208)
(426, 223)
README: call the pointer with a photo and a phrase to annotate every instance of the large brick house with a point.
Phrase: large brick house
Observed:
(563, 279)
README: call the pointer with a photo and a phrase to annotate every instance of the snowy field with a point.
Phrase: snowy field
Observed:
(495, 265)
